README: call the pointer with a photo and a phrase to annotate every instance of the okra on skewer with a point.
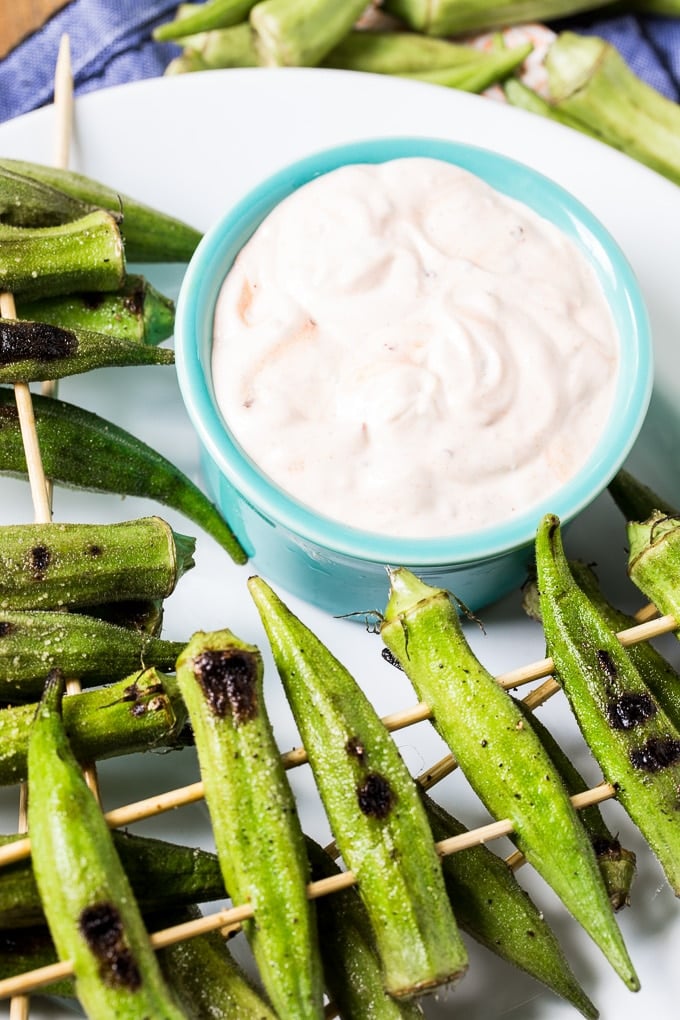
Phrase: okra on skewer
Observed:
(90, 908)
(33, 642)
(500, 754)
(35, 351)
(149, 235)
(372, 804)
(53, 566)
(139, 713)
(254, 817)
(654, 558)
(635, 500)
(136, 312)
(84, 254)
(629, 735)
(82, 450)
(299, 33)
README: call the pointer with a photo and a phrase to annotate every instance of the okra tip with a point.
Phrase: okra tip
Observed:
(406, 591)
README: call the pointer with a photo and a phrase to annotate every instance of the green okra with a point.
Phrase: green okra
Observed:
(34, 642)
(28, 949)
(632, 739)
(654, 558)
(90, 908)
(352, 971)
(253, 814)
(145, 615)
(494, 910)
(57, 566)
(35, 351)
(206, 978)
(635, 500)
(149, 235)
(142, 712)
(520, 95)
(29, 203)
(214, 14)
(299, 33)
(500, 754)
(397, 53)
(162, 876)
(137, 312)
(222, 47)
(455, 17)
(84, 254)
(82, 450)
(372, 804)
(490, 68)
(187, 62)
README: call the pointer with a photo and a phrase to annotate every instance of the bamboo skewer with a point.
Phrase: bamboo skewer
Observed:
(234, 916)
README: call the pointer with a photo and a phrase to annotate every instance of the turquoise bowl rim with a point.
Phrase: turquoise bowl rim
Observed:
(193, 341)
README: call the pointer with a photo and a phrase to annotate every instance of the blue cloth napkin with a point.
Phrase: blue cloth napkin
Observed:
(111, 43)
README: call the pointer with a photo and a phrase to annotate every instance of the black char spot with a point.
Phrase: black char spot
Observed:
(355, 749)
(604, 847)
(229, 682)
(6, 628)
(630, 710)
(606, 664)
(134, 302)
(40, 561)
(36, 341)
(92, 300)
(656, 754)
(375, 796)
(94, 551)
(8, 416)
(102, 928)
(390, 657)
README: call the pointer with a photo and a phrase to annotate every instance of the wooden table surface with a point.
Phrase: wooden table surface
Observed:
(18, 18)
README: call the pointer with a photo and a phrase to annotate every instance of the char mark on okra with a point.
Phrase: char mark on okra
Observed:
(228, 679)
(6, 628)
(8, 415)
(375, 796)
(607, 666)
(37, 341)
(134, 301)
(40, 557)
(630, 710)
(355, 748)
(102, 928)
(656, 754)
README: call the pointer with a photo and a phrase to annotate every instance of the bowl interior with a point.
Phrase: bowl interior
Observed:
(216, 253)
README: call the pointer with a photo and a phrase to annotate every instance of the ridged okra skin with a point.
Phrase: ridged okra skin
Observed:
(139, 713)
(629, 735)
(299, 33)
(82, 450)
(149, 235)
(34, 351)
(90, 908)
(500, 754)
(372, 805)
(456, 17)
(254, 816)
(654, 560)
(57, 566)
(214, 14)
(32, 643)
(29, 203)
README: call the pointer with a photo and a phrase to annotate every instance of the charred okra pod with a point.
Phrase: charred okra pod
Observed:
(631, 738)
(142, 712)
(90, 907)
(29, 203)
(299, 33)
(653, 560)
(372, 804)
(162, 875)
(34, 351)
(137, 312)
(500, 754)
(53, 566)
(253, 814)
(85, 254)
(145, 615)
(635, 500)
(82, 450)
(149, 235)
(32, 643)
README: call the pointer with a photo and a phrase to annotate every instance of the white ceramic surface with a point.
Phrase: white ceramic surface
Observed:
(194, 144)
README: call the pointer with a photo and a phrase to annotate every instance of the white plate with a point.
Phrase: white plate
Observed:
(191, 146)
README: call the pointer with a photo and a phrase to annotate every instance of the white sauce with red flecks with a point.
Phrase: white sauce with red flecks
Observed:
(409, 352)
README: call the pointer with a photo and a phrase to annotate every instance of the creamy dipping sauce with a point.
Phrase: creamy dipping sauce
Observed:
(409, 352)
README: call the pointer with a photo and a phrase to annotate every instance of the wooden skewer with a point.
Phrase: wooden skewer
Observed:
(43, 976)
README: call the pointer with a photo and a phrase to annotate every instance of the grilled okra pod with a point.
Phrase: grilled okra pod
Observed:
(372, 804)
(33, 642)
(635, 500)
(139, 713)
(145, 615)
(82, 450)
(86, 254)
(654, 558)
(162, 875)
(149, 235)
(351, 965)
(137, 312)
(34, 351)
(253, 814)
(90, 907)
(630, 736)
(52, 566)
(30, 203)
(28, 949)
(500, 754)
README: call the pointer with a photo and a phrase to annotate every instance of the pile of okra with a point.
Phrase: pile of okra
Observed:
(368, 939)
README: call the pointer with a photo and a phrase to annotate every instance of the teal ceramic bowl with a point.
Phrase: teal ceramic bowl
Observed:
(342, 569)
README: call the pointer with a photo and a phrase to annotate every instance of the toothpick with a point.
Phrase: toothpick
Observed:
(236, 915)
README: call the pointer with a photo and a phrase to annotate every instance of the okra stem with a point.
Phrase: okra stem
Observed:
(299, 33)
